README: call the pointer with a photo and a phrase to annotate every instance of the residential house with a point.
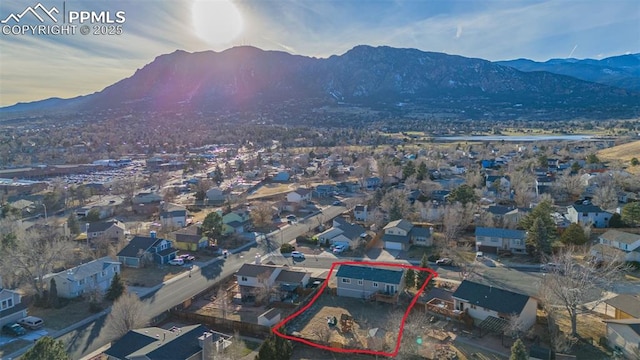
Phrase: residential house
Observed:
(588, 215)
(215, 195)
(142, 250)
(173, 216)
(26, 207)
(299, 195)
(626, 306)
(193, 342)
(363, 281)
(624, 337)
(372, 183)
(95, 275)
(281, 177)
(627, 243)
(348, 186)
(342, 233)
(399, 234)
(277, 280)
(440, 195)
(190, 238)
(491, 305)
(111, 230)
(234, 222)
(146, 203)
(498, 183)
(324, 190)
(544, 184)
(360, 213)
(12, 308)
(496, 240)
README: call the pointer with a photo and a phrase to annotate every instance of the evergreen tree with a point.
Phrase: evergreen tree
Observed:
(410, 278)
(212, 225)
(573, 235)
(631, 213)
(408, 170)
(53, 300)
(541, 229)
(73, 224)
(116, 289)
(422, 276)
(616, 221)
(275, 348)
(422, 172)
(46, 348)
(519, 351)
(463, 194)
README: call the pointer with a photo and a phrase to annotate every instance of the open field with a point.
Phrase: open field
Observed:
(312, 324)
(624, 153)
(271, 189)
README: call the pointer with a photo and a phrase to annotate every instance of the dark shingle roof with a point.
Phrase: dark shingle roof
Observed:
(402, 224)
(167, 251)
(587, 208)
(173, 214)
(501, 233)
(395, 238)
(492, 298)
(136, 244)
(271, 313)
(420, 231)
(253, 270)
(627, 303)
(288, 276)
(129, 343)
(370, 273)
(100, 226)
(189, 238)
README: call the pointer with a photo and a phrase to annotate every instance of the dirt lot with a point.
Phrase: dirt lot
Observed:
(312, 324)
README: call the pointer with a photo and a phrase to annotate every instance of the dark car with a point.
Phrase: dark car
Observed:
(14, 329)
(444, 262)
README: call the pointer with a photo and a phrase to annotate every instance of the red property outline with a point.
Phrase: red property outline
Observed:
(431, 272)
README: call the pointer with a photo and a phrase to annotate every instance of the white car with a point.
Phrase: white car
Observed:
(176, 261)
(297, 255)
(339, 248)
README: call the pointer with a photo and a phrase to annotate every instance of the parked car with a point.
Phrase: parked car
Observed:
(31, 322)
(297, 255)
(479, 255)
(339, 249)
(444, 262)
(187, 257)
(14, 330)
(176, 262)
(337, 203)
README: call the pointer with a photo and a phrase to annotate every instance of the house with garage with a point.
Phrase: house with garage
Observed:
(143, 250)
(497, 240)
(215, 195)
(185, 343)
(589, 215)
(343, 233)
(190, 238)
(112, 230)
(623, 336)
(492, 307)
(12, 308)
(95, 275)
(277, 281)
(299, 195)
(627, 243)
(324, 190)
(400, 234)
(498, 183)
(363, 282)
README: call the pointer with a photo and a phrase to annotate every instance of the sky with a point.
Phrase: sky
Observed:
(35, 67)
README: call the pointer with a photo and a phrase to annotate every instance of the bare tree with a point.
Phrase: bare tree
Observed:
(263, 293)
(606, 197)
(396, 203)
(568, 186)
(235, 351)
(35, 253)
(223, 302)
(127, 313)
(322, 333)
(578, 288)
(262, 214)
(456, 218)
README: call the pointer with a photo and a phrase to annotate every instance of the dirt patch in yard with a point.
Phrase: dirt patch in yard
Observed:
(367, 325)
(590, 329)
(150, 276)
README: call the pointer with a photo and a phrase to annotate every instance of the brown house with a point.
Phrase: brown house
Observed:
(626, 306)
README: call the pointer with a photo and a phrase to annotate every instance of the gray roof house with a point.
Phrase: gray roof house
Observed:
(342, 233)
(365, 281)
(588, 215)
(492, 307)
(495, 240)
(280, 281)
(399, 234)
(143, 249)
(85, 278)
(12, 308)
(186, 343)
(627, 243)
(112, 230)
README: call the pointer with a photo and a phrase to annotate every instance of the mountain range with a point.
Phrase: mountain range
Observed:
(406, 80)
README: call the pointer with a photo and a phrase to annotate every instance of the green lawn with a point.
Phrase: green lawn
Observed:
(416, 252)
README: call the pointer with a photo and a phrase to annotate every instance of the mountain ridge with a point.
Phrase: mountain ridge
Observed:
(251, 78)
